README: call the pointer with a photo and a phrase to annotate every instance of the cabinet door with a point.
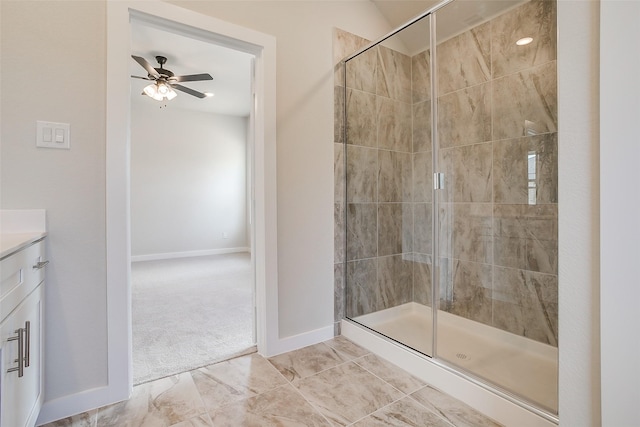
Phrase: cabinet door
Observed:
(20, 397)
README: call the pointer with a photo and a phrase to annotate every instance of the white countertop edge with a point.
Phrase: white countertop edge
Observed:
(19, 228)
(11, 243)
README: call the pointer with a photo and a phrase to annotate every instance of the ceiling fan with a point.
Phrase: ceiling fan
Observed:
(164, 81)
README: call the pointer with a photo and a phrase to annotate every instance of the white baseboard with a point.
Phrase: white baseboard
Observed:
(67, 406)
(296, 342)
(188, 254)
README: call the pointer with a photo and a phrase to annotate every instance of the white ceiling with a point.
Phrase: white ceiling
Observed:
(397, 12)
(231, 70)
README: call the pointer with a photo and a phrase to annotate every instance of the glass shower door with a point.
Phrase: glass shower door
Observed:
(389, 188)
(497, 211)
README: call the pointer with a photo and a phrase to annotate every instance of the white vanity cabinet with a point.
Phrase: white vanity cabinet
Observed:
(21, 321)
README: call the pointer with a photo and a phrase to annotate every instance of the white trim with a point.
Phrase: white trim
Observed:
(65, 406)
(188, 254)
(304, 339)
(496, 407)
(578, 214)
(118, 227)
(619, 212)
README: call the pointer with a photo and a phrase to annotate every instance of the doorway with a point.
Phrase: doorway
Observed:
(262, 173)
(192, 273)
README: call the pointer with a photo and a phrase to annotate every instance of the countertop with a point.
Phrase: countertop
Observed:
(19, 228)
(13, 242)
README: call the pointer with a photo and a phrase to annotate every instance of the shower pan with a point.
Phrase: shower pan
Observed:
(450, 193)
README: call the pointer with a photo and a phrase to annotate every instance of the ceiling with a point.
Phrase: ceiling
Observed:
(231, 69)
(397, 12)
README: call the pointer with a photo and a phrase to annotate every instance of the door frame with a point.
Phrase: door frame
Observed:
(118, 227)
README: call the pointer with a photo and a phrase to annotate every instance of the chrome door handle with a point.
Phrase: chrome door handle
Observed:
(20, 359)
(27, 344)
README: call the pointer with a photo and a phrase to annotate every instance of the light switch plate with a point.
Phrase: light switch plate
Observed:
(53, 135)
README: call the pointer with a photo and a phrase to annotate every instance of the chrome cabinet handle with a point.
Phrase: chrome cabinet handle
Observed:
(27, 344)
(20, 359)
(40, 264)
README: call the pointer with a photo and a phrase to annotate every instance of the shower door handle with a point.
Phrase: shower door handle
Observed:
(438, 181)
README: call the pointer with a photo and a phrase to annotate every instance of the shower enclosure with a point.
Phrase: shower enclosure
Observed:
(450, 198)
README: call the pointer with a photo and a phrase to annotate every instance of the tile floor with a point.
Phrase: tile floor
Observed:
(334, 383)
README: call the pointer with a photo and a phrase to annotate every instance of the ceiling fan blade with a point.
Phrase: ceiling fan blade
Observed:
(145, 64)
(189, 91)
(139, 77)
(193, 77)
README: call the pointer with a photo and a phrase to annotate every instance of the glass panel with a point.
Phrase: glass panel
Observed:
(389, 188)
(497, 214)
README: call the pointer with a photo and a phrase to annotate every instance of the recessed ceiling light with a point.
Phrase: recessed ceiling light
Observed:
(209, 94)
(523, 41)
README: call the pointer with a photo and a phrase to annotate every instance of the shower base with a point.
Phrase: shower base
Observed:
(522, 366)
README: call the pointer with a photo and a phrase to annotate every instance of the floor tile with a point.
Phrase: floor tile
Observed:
(86, 419)
(346, 393)
(200, 421)
(282, 407)
(163, 402)
(235, 379)
(307, 361)
(453, 410)
(403, 413)
(389, 372)
(346, 347)
(335, 383)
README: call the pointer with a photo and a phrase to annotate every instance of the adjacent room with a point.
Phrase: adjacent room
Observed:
(191, 272)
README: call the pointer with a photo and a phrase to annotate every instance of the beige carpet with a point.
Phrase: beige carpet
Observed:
(190, 312)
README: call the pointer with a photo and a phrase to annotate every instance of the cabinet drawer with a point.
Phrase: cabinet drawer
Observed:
(19, 275)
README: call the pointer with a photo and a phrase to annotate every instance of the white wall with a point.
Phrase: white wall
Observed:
(620, 212)
(53, 62)
(188, 180)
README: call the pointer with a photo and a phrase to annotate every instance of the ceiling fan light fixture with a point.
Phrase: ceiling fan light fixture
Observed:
(159, 91)
(151, 90)
(171, 94)
(165, 81)
(163, 88)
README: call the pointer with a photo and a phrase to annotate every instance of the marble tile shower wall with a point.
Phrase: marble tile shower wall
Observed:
(344, 43)
(378, 257)
(497, 133)
(497, 130)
